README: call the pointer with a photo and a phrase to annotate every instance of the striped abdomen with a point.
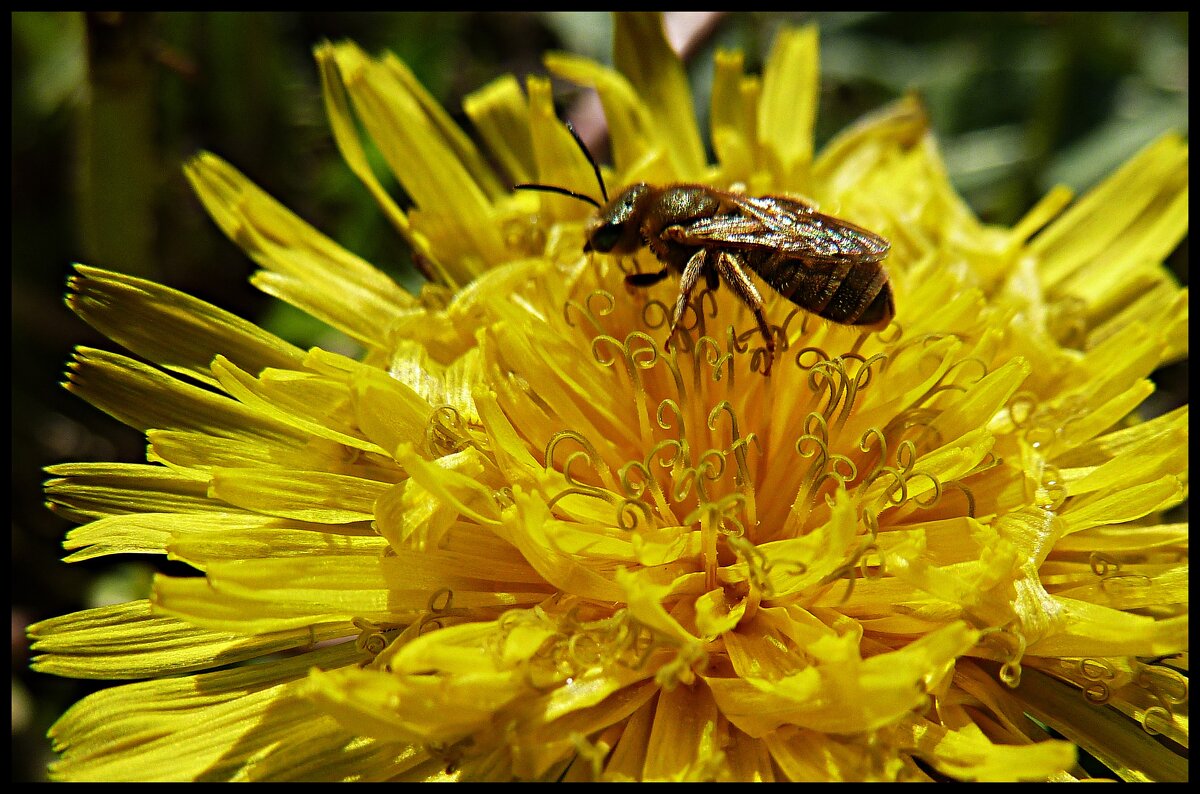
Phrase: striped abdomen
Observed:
(849, 293)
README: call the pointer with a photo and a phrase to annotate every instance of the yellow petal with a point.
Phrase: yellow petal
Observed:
(1118, 206)
(500, 112)
(129, 641)
(98, 489)
(683, 743)
(641, 53)
(734, 130)
(630, 122)
(788, 107)
(170, 328)
(559, 161)
(1121, 745)
(1084, 629)
(301, 265)
(967, 754)
(455, 210)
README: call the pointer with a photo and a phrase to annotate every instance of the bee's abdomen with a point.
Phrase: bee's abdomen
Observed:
(851, 294)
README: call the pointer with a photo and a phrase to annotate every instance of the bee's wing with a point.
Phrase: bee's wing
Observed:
(787, 224)
(732, 229)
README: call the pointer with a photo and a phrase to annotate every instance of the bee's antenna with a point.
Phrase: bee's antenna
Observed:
(588, 154)
(562, 191)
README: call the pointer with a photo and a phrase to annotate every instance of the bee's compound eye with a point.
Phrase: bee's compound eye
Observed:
(605, 237)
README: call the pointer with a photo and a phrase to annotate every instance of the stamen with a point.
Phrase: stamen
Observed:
(627, 518)
(845, 474)
(710, 521)
(568, 474)
(636, 359)
(580, 645)
(906, 456)
(923, 342)
(587, 312)
(1113, 581)
(942, 383)
(552, 445)
(697, 306)
(937, 489)
(958, 486)
(441, 601)
(371, 638)
(672, 362)
(1095, 671)
(743, 480)
(438, 609)
(813, 443)
(728, 507)
(859, 341)
(864, 444)
(1010, 671)
(757, 564)
(594, 492)
(840, 387)
(911, 418)
(634, 489)
(759, 568)
(1170, 689)
(664, 424)
(714, 358)
(856, 563)
(738, 343)
(758, 360)
(589, 451)
(692, 321)
(664, 312)
(671, 462)
(684, 478)
(871, 520)
(784, 341)
(446, 433)
(600, 359)
(817, 353)
(862, 377)
(584, 650)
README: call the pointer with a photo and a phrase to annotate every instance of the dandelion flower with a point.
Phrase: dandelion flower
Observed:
(523, 538)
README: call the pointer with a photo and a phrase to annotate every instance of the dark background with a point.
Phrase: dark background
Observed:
(106, 107)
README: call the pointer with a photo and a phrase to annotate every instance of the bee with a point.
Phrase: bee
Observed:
(823, 264)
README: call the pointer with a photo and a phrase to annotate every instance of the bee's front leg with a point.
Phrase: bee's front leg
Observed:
(712, 279)
(734, 274)
(687, 282)
(645, 279)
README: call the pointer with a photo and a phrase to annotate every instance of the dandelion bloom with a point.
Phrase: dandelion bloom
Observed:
(523, 538)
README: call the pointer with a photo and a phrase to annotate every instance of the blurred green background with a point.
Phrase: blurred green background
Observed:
(107, 106)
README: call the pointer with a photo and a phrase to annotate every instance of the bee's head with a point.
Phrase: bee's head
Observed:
(616, 228)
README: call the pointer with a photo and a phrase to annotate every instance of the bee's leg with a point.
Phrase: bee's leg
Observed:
(731, 270)
(645, 279)
(687, 282)
(711, 279)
